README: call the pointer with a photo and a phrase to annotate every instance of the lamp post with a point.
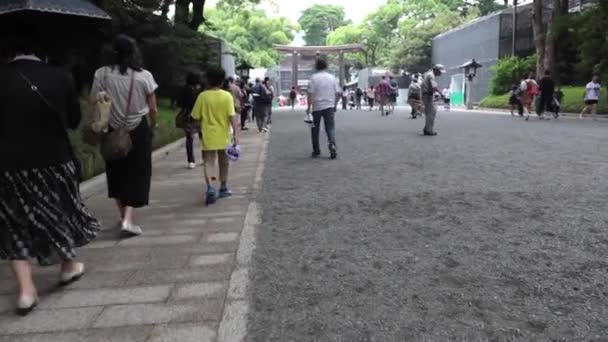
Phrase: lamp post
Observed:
(470, 71)
(243, 70)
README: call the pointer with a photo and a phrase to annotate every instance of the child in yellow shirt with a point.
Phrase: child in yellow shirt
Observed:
(215, 110)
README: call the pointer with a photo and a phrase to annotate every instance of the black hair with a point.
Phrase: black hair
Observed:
(321, 64)
(22, 42)
(230, 79)
(547, 72)
(193, 79)
(216, 77)
(126, 54)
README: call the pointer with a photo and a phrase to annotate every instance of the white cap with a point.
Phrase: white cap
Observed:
(439, 67)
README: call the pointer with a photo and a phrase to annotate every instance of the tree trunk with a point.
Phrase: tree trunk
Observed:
(164, 7)
(198, 7)
(182, 11)
(539, 36)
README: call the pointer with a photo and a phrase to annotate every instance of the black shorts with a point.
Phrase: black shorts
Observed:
(446, 101)
(392, 98)
(591, 102)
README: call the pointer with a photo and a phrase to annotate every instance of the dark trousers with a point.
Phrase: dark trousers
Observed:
(190, 146)
(330, 127)
(544, 103)
(244, 115)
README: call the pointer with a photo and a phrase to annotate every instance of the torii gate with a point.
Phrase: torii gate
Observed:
(317, 50)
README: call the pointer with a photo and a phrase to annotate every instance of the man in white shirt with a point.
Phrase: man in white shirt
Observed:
(323, 96)
(592, 96)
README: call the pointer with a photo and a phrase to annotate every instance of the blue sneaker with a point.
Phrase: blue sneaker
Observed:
(225, 193)
(210, 197)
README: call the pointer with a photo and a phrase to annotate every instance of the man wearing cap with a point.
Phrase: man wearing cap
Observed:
(429, 89)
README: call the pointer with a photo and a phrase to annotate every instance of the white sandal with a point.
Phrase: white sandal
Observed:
(70, 277)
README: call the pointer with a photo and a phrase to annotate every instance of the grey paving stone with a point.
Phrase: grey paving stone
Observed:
(103, 297)
(151, 277)
(216, 214)
(211, 259)
(119, 334)
(48, 320)
(7, 303)
(157, 240)
(222, 237)
(196, 248)
(191, 332)
(93, 280)
(141, 314)
(222, 220)
(190, 222)
(147, 262)
(197, 290)
(101, 244)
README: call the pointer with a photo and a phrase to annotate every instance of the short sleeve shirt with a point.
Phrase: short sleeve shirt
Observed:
(592, 91)
(323, 88)
(215, 109)
(428, 84)
(117, 85)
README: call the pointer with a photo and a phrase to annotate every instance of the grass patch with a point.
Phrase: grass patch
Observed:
(90, 158)
(571, 103)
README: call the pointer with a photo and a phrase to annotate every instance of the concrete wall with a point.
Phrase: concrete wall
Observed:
(479, 40)
(228, 60)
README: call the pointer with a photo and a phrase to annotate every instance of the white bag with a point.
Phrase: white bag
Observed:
(309, 120)
(101, 113)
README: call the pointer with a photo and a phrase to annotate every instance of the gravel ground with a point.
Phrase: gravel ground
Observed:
(493, 231)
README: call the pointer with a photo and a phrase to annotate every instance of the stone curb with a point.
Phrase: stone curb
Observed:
(235, 318)
(92, 186)
(482, 110)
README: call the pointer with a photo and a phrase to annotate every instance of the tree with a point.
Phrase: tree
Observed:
(196, 18)
(545, 34)
(319, 21)
(250, 33)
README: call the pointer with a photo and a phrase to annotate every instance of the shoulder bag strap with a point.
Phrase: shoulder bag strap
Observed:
(128, 109)
(60, 118)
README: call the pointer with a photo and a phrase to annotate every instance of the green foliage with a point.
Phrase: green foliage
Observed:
(319, 21)
(90, 159)
(250, 33)
(590, 30)
(509, 71)
(571, 103)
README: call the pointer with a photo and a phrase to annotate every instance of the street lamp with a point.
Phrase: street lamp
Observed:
(243, 70)
(470, 71)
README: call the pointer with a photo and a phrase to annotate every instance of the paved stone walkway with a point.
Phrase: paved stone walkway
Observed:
(183, 280)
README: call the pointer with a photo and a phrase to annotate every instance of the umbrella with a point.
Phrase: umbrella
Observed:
(81, 8)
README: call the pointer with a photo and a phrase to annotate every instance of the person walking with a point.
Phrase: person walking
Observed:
(344, 98)
(445, 93)
(358, 98)
(429, 89)
(323, 95)
(186, 102)
(545, 101)
(414, 96)
(237, 95)
(293, 97)
(529, 89)
(263, 104)
(592, 96)
(215, 109)
(271, 94)
(394, 93)
(132, 90)
(371, 96)
(383, 92)
(42, 215)
(246, 91)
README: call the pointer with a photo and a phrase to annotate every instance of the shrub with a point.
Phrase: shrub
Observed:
(509, 71)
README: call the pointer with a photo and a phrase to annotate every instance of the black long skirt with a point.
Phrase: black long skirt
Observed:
(42, 215)
(129, 178)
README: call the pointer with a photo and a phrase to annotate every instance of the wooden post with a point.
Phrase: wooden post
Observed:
(469, 92)
(294, 70)
(341, 66)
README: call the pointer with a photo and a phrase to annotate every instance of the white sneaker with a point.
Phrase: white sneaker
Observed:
(191, 166)
(131, 229)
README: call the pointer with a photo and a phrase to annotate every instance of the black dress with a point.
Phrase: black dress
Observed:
(129, 178)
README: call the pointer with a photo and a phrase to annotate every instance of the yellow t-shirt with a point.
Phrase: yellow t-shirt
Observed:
(215, 109)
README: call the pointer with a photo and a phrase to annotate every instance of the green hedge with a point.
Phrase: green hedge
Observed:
(91, 160)
(571, 103)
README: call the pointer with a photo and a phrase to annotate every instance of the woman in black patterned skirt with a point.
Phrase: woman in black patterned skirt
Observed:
(42, 215)
(131, 89)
